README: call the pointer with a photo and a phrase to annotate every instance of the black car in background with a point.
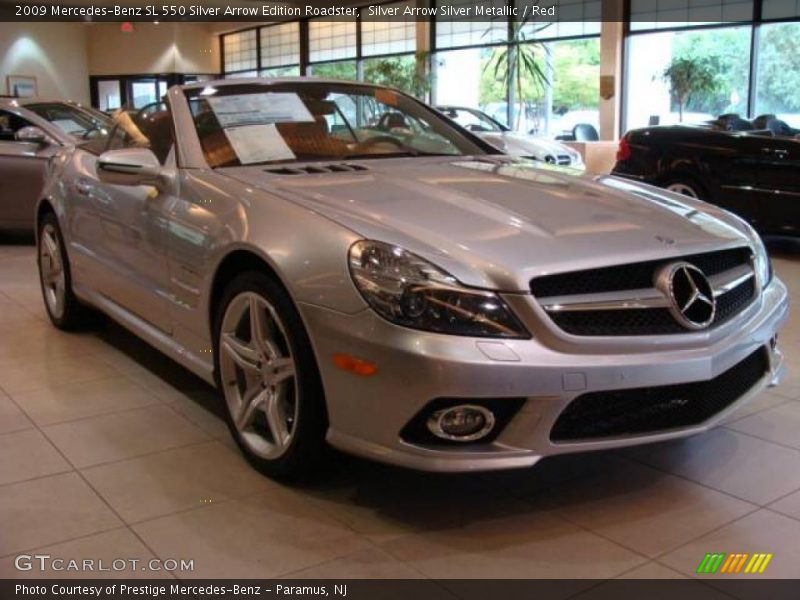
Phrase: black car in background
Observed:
(751, 168)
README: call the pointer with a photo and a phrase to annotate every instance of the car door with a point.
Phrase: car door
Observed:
(778, 211)
(732, 160)
(131, 252)
(22, 169)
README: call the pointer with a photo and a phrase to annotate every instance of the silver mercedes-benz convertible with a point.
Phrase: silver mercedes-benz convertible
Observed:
(352, 268)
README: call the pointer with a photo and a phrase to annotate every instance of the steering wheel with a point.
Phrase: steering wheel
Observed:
(92, 132)
(380, 139)
(383, 122)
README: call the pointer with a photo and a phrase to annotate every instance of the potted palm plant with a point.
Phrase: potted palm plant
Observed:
(522, 61)
(689, 77)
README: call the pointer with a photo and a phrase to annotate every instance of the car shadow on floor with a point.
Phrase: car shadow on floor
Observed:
(371, 483)
(170, 373)
(390, 492)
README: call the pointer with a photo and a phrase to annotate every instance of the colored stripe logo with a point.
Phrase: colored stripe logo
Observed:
(720, 562)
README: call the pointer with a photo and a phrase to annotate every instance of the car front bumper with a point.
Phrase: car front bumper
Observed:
(367, 413)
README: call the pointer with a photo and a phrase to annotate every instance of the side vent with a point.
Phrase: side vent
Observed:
(317, 169)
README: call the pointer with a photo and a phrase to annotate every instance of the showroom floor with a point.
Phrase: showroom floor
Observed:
(108, 450)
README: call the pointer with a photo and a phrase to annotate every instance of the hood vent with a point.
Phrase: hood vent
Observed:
(316, 169)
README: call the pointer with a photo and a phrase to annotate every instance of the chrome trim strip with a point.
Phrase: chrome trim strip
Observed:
(202, 366)
(618, 300)
(724, 282)
(750, 188)
(721, 283)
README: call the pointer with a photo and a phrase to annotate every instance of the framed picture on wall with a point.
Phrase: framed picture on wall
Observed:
(22, 86)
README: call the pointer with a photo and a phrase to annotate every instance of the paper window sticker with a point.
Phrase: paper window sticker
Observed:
(260, 108)
(68, 126)
(258, 143)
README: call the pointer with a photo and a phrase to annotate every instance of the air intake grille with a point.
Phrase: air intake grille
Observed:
(647, 410)
(561, 159)
(317, 169)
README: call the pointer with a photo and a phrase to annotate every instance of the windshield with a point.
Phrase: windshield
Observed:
(474, 120)
(312, 121)
(72, 120)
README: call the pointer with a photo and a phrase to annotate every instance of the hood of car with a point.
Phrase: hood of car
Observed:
(519, 144)
(496, 223)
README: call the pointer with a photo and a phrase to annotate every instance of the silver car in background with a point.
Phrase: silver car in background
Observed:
(32, 130)
(514, 143)
(405, 294)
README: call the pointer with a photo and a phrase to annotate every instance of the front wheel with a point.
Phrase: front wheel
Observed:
(268, 374)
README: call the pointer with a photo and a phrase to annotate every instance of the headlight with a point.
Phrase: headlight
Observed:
(408, 290)
(763, 264)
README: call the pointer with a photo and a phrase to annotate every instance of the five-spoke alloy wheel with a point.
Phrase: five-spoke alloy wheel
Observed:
(51, 267)
(258, 375)
(269, 377)
(63, 308)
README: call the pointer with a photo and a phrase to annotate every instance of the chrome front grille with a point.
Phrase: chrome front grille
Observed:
(623, 300)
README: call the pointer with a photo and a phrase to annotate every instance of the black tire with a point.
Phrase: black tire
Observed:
(70, 314)
(307, 449)
(686, 185)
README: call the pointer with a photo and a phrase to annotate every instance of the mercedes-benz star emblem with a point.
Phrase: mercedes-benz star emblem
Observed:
(691, 299)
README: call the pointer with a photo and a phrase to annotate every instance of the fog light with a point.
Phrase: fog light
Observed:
(463, 423)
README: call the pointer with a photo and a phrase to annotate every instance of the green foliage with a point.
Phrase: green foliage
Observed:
(345, 69)
(725, 52)
(576, 81)
(403, 72)
(520, 66)
(779, 68)
(492, 89)
(689, 76)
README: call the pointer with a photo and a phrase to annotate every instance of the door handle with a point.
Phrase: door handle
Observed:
(776, 152)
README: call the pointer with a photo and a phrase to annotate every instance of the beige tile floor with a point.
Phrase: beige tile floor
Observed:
(108, 450)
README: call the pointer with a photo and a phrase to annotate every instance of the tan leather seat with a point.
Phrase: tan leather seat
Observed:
(310, 140)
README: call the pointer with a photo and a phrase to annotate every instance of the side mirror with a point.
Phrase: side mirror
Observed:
(130, 166)
(31, 135)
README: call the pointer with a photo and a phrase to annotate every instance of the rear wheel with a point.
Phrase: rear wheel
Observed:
(63, 308)
(686, 186)
(268, 374)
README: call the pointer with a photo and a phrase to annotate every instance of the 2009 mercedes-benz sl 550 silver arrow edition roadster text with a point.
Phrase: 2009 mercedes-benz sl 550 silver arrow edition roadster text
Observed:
(351, 267)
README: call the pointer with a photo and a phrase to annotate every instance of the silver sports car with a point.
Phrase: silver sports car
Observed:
(351, 267)
(31, 132)
(514, 143)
